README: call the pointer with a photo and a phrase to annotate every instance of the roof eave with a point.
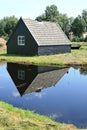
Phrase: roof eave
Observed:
(54, 44)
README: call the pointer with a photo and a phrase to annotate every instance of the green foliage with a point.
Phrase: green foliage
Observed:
(51, 13)
(41, 17)
(75, 39)
(2, 26)
(65, 23)
(7, 25)
(77, 27)
(83, 71)
(79, 39)
(85, 39)
(84, 17)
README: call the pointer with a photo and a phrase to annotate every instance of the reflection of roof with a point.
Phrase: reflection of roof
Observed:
(46, 33)
(35, 77)
(46, 79)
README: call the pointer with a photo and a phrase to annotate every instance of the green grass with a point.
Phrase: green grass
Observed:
(76, 57)
(17, 119)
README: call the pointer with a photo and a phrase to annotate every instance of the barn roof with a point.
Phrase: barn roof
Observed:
(46, 33)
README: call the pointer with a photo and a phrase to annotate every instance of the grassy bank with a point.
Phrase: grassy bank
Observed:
(17, 119)
(76, 57)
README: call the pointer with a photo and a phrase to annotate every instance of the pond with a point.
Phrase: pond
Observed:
(60, 93)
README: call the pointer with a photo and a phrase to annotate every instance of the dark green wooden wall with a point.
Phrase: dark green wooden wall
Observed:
(30, 48)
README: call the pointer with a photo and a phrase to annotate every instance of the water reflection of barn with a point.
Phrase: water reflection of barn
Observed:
(32, 78)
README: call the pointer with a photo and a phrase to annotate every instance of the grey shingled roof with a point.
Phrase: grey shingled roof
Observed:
(46, 33)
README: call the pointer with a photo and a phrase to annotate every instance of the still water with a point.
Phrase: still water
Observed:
(58, 93)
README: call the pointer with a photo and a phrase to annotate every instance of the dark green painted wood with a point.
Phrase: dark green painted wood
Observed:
(56, 49)
(30, 48)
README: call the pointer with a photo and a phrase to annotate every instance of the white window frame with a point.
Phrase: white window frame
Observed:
(21, 74)
(21, 40)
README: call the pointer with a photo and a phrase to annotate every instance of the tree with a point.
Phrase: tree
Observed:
(52, 13)
(41, 17)
(77, 26)
(10, 24)
(7, 25)
(2, 26)
(65, 23)
(83, 71)
(84, 17)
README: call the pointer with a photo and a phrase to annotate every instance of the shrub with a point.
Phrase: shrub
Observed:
(76, 39)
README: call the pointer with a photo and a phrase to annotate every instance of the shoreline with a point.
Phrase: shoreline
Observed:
(16, 118)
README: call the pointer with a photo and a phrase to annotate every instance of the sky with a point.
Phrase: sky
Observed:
(33, 8)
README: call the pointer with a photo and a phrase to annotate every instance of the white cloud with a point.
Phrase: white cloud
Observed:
(16, 94)
(54, 115)
(40, 95)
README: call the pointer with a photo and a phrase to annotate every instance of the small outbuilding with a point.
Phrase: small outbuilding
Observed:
(31, 37)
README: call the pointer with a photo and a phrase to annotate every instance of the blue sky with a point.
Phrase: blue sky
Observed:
(33, 8)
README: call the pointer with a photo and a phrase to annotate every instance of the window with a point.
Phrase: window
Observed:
(21, 74)
(21, 40)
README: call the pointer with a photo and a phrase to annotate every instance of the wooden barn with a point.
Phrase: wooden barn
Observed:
(32, 78)
(31, 37)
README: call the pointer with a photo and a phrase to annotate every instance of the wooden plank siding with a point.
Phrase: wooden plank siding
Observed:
(46, 50)
(30, 47)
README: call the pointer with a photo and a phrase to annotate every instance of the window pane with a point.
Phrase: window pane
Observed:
(21, 74)
(21, 40)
